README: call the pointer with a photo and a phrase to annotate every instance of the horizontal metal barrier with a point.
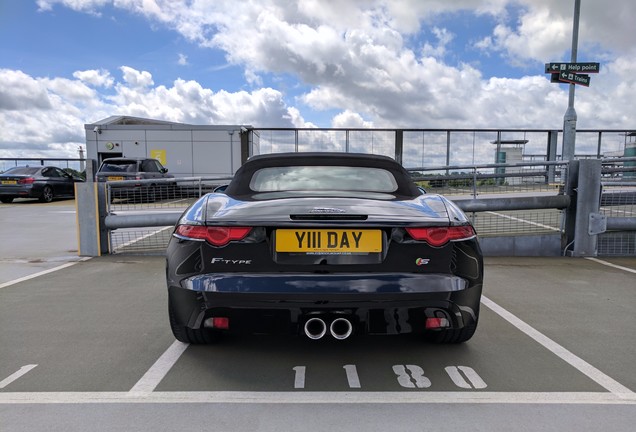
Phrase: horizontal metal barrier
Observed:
(514, 203)
(506, 207)
(114, 221)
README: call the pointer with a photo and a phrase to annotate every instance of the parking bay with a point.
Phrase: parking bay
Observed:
(101, 325)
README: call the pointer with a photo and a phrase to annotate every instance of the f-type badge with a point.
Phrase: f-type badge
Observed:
(326, 210)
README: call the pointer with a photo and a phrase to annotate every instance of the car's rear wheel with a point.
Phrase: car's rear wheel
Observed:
(7, 200)
(47, 194)
(188, 335)
(453, 336)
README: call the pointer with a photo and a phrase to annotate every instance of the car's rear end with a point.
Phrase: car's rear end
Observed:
(120, 169)
(319, 263)
(20, 182)
(137, 179)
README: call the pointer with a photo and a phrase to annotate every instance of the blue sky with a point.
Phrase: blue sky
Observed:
(62, 41)
(304, 63)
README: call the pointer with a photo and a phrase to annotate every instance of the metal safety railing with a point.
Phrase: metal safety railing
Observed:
(616, 219)
(140, 213)
(532, 208)
(503, 199)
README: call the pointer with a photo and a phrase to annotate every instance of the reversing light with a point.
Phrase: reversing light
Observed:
(438, 236)
(216, 236)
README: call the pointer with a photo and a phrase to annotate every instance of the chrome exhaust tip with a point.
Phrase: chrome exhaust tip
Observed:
(315, 328)
(341, 328)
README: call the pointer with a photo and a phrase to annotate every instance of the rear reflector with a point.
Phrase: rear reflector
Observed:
(221, 323)
(216, 236)
(436, 323)
(438, 236)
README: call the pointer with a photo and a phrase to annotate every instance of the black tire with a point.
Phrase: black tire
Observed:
(188, 335)
(7, 200)
(47, 194)
(453, 336)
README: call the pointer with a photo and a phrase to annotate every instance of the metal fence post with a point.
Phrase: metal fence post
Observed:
(90, 211)
(588, 203)
(552, 154)
(571, 178)
(103, 203)
(399, 145)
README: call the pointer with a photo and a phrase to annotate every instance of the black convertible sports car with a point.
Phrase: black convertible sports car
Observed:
(323, 244)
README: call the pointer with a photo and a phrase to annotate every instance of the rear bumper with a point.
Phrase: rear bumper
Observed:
(375, 303)
(22, 191)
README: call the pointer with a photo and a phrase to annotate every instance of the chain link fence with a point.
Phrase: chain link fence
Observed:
(500, 181)
(618, 200)
(148, 197)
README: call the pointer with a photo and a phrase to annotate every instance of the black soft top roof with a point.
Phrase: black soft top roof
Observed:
(239, 186)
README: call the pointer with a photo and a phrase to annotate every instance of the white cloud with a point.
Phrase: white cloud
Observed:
(183, 60)
(95, 78)
(51, 113)
(348, 119)
(77, 5)
(444, 37)
(135, 78)
(19, 91)
(356, 58)
(539, 36)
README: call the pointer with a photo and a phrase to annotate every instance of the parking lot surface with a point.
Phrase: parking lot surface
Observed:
(88, 346)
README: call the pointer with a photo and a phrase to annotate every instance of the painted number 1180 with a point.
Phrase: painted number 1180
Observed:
(408, 376)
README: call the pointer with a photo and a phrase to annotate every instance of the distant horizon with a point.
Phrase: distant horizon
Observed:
(414, 155)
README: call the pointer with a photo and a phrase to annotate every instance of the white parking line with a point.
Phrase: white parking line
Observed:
(302, 397)
(581, 365)
(610, 210)
(160, 369)
(139, 239)
(16, 375)
(42, 273)
(524, 221)
(609, 264)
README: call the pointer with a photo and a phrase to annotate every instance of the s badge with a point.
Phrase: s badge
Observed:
(422, 261)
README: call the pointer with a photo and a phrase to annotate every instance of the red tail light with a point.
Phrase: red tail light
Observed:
(28, 180)
(216, 236)
(436, 323)
(438, 236)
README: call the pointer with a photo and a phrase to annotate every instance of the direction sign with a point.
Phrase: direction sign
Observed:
(572, 67)
(572, 78)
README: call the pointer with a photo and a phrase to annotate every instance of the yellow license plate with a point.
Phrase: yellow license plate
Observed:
(329, 241)
(115, 178)
(9, 182)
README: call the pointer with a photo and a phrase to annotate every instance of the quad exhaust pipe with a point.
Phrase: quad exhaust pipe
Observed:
(341, 328)
(316, 328)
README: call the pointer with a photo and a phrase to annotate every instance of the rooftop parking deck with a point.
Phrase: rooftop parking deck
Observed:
(90, 340)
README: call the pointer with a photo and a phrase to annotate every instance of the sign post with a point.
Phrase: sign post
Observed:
(569, 119)
(572, 67)
(573, 78)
